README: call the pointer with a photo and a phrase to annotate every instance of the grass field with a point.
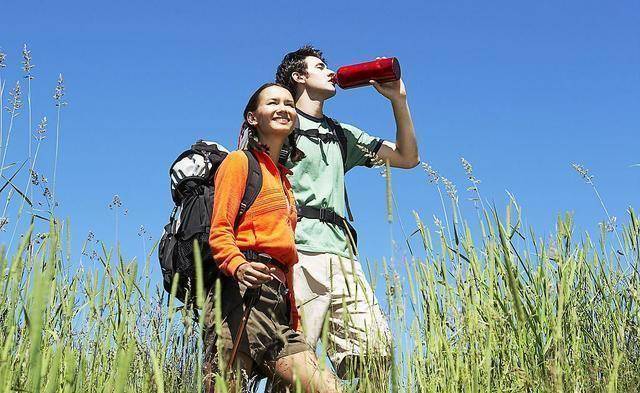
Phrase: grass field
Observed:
(503, 312)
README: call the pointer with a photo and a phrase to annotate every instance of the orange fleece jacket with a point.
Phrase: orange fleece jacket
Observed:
(268, 226)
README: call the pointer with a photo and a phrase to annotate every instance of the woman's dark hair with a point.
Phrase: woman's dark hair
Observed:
(289, 149)
(294, 62)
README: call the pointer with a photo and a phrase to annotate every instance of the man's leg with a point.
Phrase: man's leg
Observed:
(359, 335)
(311, 284)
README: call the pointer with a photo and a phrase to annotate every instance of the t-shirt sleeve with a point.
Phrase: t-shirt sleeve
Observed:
(361, 147)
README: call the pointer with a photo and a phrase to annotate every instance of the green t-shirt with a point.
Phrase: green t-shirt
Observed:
(318, 181)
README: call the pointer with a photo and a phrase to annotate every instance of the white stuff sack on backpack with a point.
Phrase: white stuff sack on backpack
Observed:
(192, 165)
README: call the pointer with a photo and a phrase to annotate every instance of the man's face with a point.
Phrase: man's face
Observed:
(318, 79)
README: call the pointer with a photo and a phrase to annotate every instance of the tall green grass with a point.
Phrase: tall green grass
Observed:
(504, 312)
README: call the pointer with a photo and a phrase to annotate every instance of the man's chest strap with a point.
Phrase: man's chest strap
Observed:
(329, 216)
(315, 135)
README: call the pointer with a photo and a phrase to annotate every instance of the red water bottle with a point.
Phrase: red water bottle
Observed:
(356, 75)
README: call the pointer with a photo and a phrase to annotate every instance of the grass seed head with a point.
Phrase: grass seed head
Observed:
(59, 92)
(450, 188)
(35, 179)
(437, 222)
(469, 170)
(383, 172)
(4, 221)
(41, 131)
(584, 172)
(375, 160)
(3, 58)
(15, 100)
(434, 177)
(26, 62)
(116, 202)
(609, 225)
(39, 237)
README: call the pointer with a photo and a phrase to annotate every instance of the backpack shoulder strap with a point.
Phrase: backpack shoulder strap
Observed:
(340, 136)
(342, 142)
(253, 186)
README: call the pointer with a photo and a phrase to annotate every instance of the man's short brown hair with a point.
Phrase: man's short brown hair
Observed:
(294, 62)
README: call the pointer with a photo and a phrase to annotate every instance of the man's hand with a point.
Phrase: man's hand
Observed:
(394, 91)
(254, 274)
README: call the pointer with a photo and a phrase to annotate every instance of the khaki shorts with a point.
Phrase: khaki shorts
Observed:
(329, 287)
(268, 335)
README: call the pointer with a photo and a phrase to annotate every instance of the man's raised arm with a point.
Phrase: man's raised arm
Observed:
(404, 152)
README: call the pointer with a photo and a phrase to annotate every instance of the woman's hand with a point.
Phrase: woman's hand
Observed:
(254, 274)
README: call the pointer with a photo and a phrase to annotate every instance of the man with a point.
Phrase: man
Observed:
(331, 290)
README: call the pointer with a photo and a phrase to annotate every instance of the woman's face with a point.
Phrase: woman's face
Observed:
(276, 112)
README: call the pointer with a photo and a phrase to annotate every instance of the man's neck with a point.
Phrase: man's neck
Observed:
(310, 106)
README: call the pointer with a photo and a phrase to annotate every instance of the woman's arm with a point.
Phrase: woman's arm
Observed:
(229, 185)
(230, 182)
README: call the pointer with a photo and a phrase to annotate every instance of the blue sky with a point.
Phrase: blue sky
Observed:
(521, 90)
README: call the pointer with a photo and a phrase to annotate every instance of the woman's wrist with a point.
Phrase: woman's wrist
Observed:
(237, 269)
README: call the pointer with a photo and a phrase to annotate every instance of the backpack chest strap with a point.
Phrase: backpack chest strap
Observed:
(315, 135)
(322, 214)
(329, 216)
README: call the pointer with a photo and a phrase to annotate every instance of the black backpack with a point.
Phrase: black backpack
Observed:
(192, 190)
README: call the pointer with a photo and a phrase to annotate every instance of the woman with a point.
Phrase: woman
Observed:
(271, 343)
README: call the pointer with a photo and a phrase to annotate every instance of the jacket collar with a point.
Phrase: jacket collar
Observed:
(267, 158)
